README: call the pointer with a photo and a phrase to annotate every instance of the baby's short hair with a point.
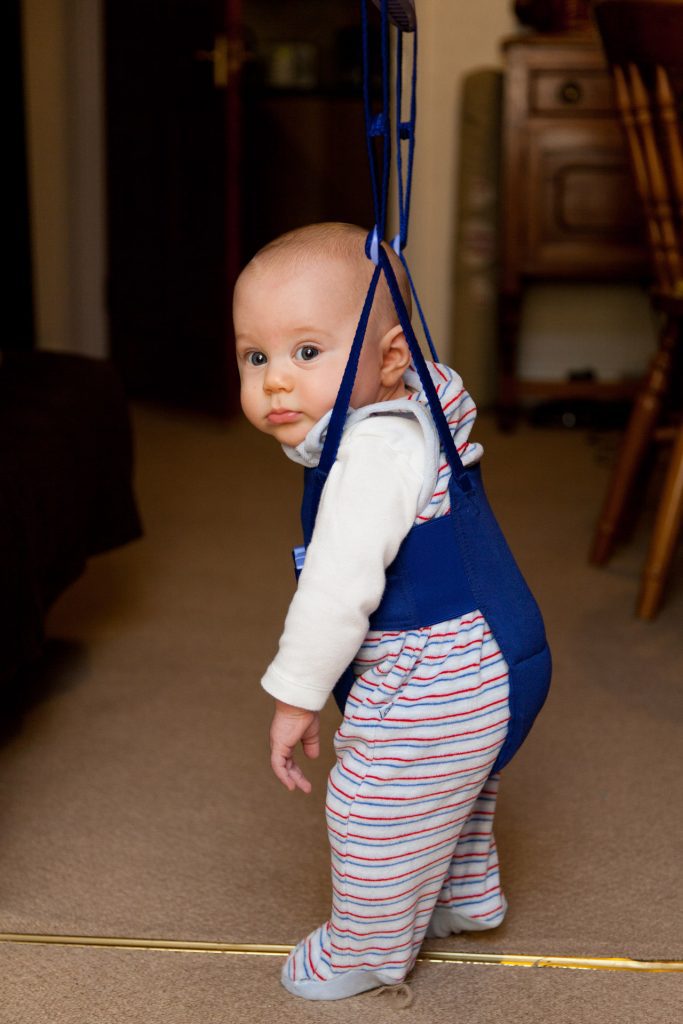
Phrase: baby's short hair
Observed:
(346, 242)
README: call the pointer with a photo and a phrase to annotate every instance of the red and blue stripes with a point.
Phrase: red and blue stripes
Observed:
(410, 800)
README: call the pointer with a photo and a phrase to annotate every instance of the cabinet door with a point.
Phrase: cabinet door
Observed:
(583, 213)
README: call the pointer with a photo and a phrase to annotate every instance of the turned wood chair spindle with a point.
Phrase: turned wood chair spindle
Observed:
(643, 40)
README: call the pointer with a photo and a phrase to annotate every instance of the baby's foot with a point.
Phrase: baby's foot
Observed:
(446, 922)
(308, 971)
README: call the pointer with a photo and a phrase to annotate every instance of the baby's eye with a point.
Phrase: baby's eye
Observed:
(307, 352)
(256, 358)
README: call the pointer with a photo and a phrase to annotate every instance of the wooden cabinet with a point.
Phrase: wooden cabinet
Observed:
(569, 209)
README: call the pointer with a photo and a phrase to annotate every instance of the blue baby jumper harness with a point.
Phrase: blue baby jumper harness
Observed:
(456, 563)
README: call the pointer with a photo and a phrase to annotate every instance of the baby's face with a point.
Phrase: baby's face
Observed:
(293, 329)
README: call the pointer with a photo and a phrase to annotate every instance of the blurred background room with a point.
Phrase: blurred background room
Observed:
(153, 147)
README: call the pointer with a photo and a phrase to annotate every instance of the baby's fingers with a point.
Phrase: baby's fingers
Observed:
(299, 779)
(288, 771)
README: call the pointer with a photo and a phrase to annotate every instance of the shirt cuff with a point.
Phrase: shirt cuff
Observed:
(293, 693)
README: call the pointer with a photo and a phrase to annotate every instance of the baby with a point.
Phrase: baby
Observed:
(412, 795)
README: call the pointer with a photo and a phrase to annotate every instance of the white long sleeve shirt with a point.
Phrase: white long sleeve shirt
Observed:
(368, 505)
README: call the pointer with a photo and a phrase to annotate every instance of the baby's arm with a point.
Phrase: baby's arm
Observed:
(368, 505)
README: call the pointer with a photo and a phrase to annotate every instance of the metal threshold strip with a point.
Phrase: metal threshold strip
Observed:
(596, 963)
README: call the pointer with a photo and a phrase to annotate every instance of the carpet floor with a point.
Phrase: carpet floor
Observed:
(136, 797)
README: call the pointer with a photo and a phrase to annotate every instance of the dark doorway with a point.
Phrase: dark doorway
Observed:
(228, 122)
(167, 141)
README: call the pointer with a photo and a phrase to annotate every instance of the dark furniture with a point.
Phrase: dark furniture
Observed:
(569, 209)
(65, 486)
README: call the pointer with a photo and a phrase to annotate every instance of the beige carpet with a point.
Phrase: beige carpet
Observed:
(70, 986)
(136, 797)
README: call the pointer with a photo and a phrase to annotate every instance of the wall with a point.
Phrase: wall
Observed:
(454, 37)
(64, 101)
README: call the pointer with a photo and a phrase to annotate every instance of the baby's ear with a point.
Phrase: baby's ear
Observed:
(395, 356)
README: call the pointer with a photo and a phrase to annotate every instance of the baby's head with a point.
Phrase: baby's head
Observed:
(296, 308)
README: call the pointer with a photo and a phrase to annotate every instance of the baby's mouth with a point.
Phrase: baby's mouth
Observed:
(279, 416)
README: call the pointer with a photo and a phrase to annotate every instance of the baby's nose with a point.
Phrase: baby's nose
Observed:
(277, 377)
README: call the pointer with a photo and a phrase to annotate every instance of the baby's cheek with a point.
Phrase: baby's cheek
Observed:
(249, 405)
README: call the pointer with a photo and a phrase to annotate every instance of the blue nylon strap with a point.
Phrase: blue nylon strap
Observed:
(423, 319)
(377, 126)
(405, 132)
(341, 406)
(445, 436)
(335, 428)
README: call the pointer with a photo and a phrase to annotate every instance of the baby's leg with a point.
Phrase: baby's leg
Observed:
(408, 775)
(471, 898)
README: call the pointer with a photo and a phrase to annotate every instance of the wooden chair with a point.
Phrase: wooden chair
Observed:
(643, 40)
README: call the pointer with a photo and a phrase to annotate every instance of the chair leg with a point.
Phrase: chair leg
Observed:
(666, 531)
(644, 418)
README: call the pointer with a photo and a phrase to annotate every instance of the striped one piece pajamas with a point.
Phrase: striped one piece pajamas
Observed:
(411, 798)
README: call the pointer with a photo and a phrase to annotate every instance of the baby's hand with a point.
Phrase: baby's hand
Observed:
(290, 725)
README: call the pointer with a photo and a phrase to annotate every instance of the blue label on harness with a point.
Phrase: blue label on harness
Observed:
(299, 555)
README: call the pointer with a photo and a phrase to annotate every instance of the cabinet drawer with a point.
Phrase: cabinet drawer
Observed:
(559, 91)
